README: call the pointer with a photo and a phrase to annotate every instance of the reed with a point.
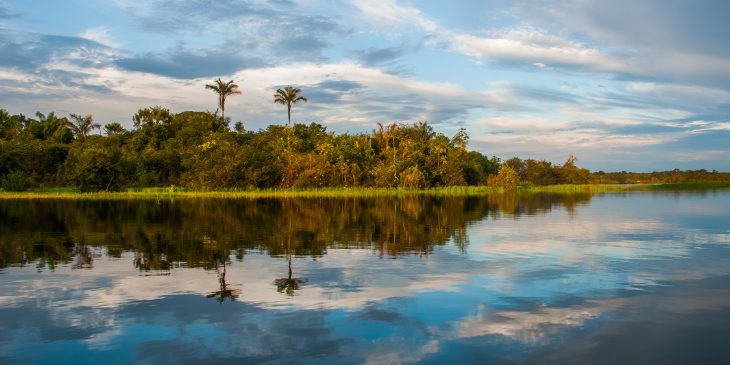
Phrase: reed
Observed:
(174, 192)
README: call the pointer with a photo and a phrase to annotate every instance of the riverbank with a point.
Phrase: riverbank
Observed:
(177, 192)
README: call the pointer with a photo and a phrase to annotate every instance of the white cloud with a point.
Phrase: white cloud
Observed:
(681, 41)
(381, 97)
(532, 327)
(680, 92)
(388, 14)
(100, 35)
(522, 123)
(534, 47)
(583, 138)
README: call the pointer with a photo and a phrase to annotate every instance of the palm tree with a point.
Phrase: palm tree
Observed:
(288, 96)
(81, 126)
(223, 89)
(114, 128)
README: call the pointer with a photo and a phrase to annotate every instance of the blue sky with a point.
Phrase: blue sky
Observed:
(623, 85)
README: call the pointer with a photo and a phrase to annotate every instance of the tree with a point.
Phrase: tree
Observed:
(114, 128)
(10, 125)
(238, 127)
(572, 174)
(223, 89)
(288, 96)
(50, 127)
(461, 139)
(507, 178)
(96, 165)
(151, 116)
(81, 126)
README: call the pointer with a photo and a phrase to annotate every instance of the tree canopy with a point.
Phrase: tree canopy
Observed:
(198, 150)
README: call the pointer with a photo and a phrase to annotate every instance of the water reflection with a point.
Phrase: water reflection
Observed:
(225, 292)
(539, 279)
(198, 233)
(289, 284)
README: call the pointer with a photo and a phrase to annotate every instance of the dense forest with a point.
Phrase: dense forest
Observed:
(199, 150)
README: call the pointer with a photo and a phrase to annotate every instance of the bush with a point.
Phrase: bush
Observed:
(506, 178)
(16, 181)
(97, 168)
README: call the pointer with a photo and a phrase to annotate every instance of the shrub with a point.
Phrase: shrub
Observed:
(16, 181)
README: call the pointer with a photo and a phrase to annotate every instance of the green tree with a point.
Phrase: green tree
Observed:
(288, 96)
(461, 139)
(15, 181)
(81, 126)
(96, 166)
(114, 128)
(223, 89)
(50, 127)
(10, 125)
(155, 115)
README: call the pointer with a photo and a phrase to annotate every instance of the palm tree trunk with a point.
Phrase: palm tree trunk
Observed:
(223, 107)
(288, 144)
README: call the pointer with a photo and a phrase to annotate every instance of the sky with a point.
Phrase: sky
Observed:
(638, 85)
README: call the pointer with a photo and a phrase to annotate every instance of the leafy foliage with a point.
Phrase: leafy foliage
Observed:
(197, 150)
(507, 178)
(82, 125)
(16, 181)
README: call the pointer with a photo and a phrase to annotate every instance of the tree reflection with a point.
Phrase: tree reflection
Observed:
(205, 232)
(289, 284)
(225, 292)
(84, 257)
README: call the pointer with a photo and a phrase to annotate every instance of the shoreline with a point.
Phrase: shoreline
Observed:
(181, 193)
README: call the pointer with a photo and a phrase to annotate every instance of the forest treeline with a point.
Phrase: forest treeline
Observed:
(198, 150)
(671, 177)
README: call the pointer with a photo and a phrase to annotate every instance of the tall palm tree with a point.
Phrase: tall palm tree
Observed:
(81, 125)
(223, 89)
(288, 96)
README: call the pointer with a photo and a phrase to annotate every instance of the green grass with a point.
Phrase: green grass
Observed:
(173, 192)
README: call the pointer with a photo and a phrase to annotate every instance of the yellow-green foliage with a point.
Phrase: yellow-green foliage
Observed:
(506, 179)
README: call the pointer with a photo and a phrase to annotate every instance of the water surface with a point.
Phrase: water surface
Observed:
(616, 278)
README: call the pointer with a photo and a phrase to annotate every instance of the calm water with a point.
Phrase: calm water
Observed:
(615, 279)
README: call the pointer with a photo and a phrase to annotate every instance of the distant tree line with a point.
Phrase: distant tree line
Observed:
(673, 176)
(198, 150)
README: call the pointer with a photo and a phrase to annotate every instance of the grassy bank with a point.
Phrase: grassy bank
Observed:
(176, 192)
